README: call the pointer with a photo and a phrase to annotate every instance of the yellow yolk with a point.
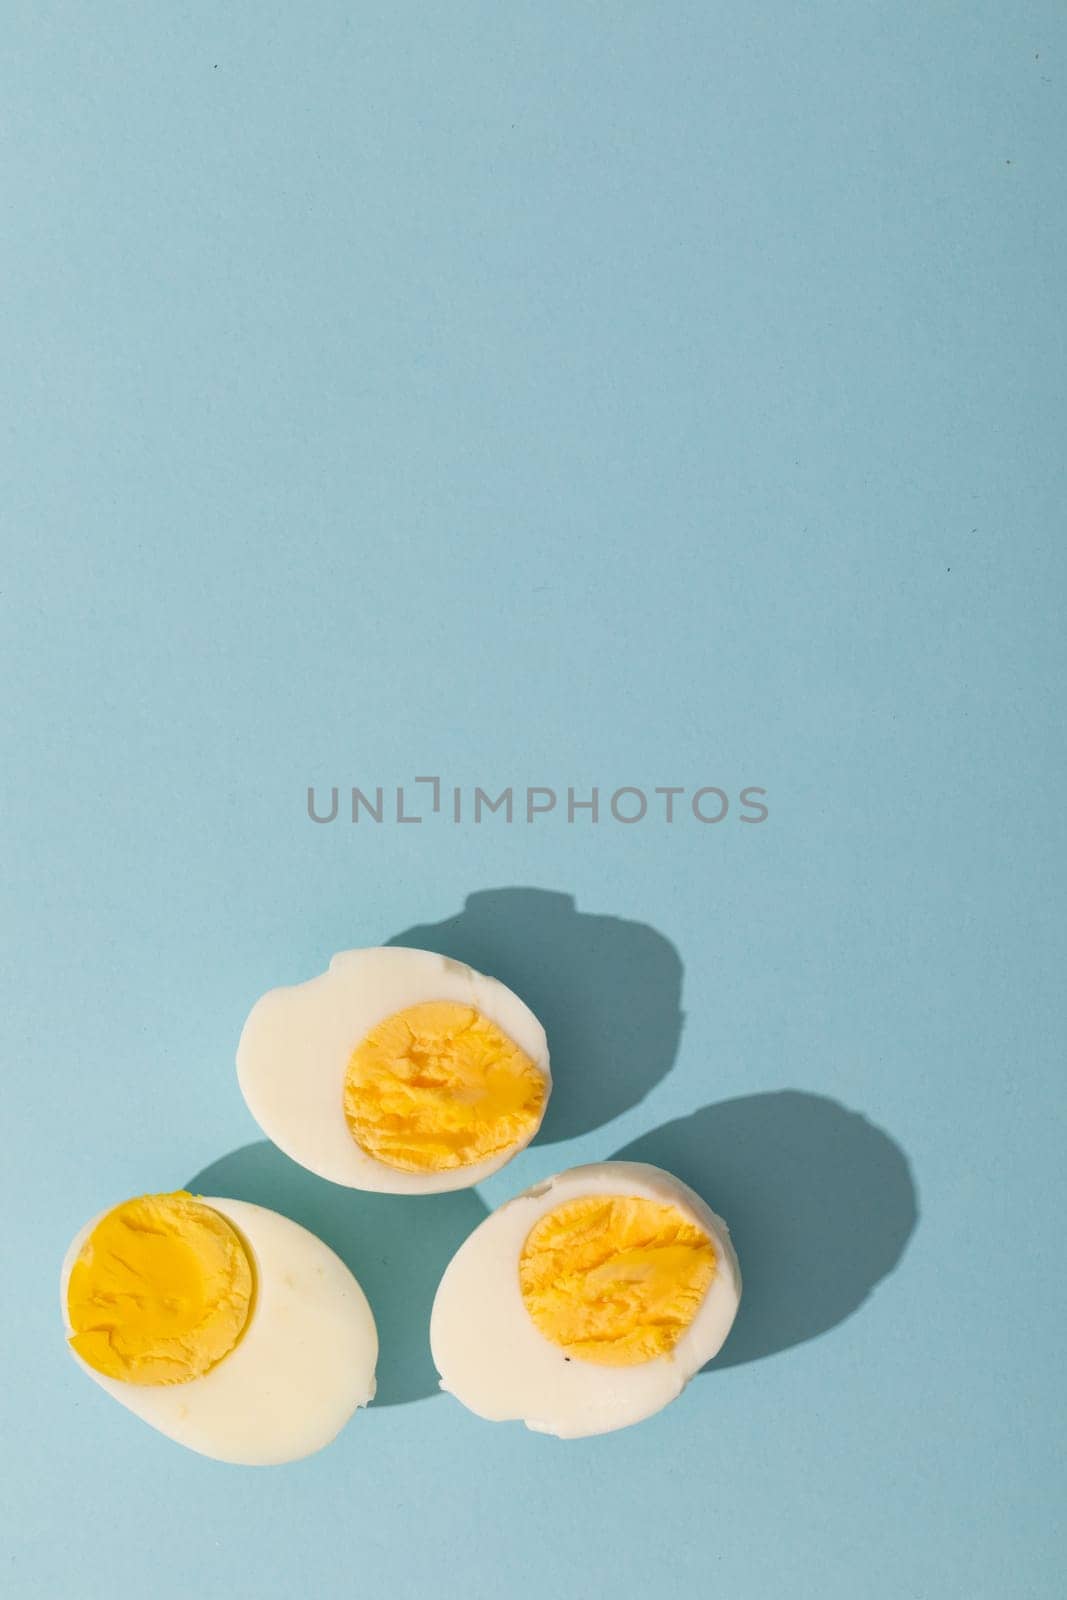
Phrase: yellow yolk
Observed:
(615, 1279)
(161, 1291)
(440, 1086)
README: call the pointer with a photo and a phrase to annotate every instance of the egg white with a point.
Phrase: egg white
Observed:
(303, 1366)
(492, 1357)
(297, 1043)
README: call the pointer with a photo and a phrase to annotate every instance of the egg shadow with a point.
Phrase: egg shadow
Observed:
(396, 1245)
(607, 990)
(820, 1203)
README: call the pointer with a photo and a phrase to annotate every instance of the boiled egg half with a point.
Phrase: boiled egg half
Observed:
(223, 1325)
(586, 1303)
(396, 1070)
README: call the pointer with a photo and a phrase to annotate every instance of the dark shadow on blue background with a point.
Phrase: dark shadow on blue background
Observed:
(608, 992)
(820, 1204)
(396, 1245)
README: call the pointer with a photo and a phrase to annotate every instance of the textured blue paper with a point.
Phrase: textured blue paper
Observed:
(553, 395)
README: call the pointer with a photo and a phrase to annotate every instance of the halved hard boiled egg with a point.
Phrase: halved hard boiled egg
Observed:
(586, 1303)
(223, 1325)
(396, 1070)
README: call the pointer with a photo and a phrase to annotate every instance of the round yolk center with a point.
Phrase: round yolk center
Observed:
(615, 1279)
(161, 1291)
(438, 1086)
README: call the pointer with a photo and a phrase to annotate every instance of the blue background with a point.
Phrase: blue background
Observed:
(553, 394)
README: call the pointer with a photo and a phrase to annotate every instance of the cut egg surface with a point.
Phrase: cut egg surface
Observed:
(397, 1070)
(586, 1303)
(223, 1325)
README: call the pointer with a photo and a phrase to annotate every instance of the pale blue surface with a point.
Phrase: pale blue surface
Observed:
(549, 394)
